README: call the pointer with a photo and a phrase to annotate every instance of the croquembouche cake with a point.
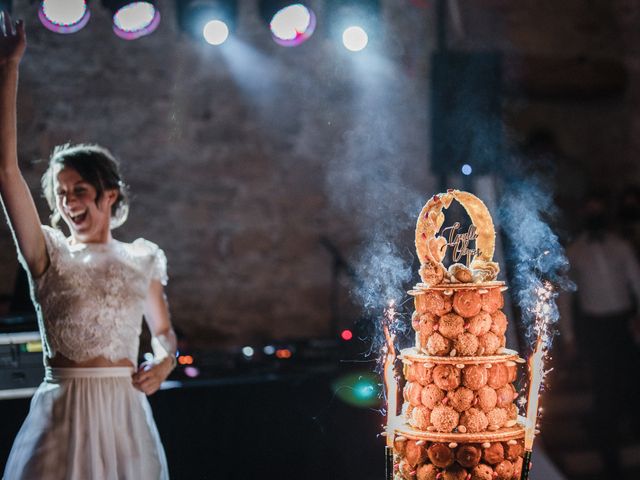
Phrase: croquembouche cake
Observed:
(459, 417)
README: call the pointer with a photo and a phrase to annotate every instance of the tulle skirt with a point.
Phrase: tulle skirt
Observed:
(88, 423)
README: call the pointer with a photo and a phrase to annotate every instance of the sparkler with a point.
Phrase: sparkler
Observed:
(391, 386)
(537, 372)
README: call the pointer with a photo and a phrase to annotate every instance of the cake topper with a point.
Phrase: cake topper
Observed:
(460, 242)
(432, 243)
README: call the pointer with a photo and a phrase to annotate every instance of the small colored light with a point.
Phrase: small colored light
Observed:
(185, 360)
(293, 25)
(358, 389)
(215, 32)
(355, 38)
(346, 335)
(191, 372)
(247, 351)
(466, 169)
(364, 389)
(269, 350)
(283, 353)
(34, 347)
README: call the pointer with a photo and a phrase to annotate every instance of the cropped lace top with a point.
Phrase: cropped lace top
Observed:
(90, 300)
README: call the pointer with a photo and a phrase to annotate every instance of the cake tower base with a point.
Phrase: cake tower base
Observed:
(439, 456)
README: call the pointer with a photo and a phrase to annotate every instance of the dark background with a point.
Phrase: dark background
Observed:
(283, 185)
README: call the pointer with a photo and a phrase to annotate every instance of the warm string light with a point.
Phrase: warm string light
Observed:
(390, 382)
(542, 312)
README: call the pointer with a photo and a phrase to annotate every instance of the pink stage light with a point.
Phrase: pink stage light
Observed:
(293, 25)
(132, 20)
(64, 16)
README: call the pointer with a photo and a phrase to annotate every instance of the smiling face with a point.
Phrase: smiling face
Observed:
(88, 220)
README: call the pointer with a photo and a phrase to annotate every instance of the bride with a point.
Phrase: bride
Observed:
(90, 418)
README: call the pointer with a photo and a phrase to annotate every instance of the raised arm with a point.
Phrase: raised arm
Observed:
(14, 191)
(156, 312)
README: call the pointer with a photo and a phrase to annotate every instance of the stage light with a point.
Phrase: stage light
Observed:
(354, 22)
(211, 20)
(64, 16)
(355, 38)
(133, 19)
(293, 25)
(191, 372)
(466, 169)
(346, 335)
(290, 23)
(215, 32)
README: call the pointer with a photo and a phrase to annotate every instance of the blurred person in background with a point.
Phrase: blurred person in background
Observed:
(598, 320)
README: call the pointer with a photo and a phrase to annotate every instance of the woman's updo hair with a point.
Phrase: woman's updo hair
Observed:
(97, 166)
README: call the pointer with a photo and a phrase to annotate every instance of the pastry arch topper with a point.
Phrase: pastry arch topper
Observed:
(432, 242)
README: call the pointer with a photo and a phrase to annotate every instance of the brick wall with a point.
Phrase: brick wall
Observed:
(240, 162)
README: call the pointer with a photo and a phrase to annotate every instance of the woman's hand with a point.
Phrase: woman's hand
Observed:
(150, 375)
(13, 40)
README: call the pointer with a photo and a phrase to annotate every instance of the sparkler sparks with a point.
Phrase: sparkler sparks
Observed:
(543, 314)
(390, 381)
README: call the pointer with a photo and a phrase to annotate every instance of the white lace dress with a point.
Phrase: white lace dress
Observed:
(90, 423)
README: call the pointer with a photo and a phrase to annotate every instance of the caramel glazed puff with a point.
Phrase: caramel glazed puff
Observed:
(460, 323)
(474, 398)
(421, 460)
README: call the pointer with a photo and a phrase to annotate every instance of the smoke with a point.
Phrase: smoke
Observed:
(369, 180)
(534, 251)
(383, 263)
(384, 270)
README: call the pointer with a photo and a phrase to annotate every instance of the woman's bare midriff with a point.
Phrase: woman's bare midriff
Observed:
(60, 361)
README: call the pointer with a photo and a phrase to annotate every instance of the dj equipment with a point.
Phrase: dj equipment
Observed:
(21, 367)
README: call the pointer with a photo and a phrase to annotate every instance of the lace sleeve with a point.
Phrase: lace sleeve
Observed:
(159, 260)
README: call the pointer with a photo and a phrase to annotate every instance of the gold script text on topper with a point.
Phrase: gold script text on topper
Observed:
(460, 242)
(431, 243)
